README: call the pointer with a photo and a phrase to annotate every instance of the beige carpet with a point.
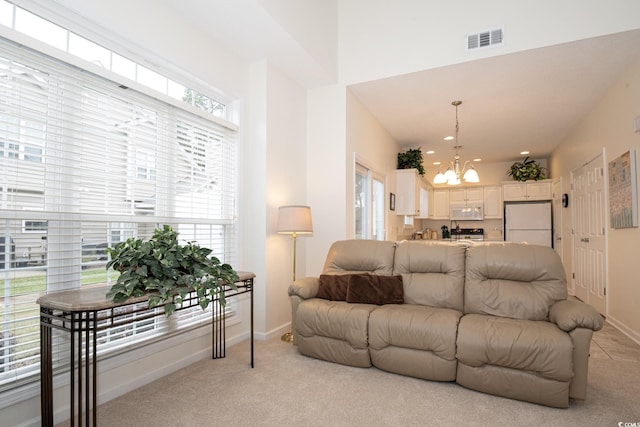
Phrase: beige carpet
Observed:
(288, 389)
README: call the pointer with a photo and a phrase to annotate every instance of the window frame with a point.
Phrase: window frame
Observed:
(21, 155)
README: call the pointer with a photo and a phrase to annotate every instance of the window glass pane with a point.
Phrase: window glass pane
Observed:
(122, 66)
(41, 29)
(6, 14)
(54, 35)
(89, 51)
(176, 90)
(151, 79)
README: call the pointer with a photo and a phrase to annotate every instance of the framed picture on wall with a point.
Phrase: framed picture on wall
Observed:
(623, 192)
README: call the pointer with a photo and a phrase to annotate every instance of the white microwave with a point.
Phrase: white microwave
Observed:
(473, 212)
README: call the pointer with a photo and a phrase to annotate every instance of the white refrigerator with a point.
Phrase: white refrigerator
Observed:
(529, 222)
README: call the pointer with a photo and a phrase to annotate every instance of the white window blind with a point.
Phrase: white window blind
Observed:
(86, 163)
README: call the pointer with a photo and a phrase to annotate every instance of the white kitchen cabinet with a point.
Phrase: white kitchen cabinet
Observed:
(440, 204)
(493, 202)
(526, 191)
(412, 194)
(426, 203)
(467, 195)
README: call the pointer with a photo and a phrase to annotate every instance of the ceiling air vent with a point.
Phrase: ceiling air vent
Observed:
(484, 39)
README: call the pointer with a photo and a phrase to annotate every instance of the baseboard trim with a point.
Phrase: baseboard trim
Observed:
(276, 332)
(633, 335)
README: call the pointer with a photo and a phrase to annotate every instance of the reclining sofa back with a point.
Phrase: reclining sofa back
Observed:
(360, 256)
(513, 281)
(432, 273)
(500, 279)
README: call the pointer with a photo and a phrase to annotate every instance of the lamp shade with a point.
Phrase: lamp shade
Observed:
(471, 175)
(294, 219)
(439, 178)
(450, 175)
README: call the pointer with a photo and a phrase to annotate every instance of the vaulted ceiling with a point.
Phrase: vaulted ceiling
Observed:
(530, 100)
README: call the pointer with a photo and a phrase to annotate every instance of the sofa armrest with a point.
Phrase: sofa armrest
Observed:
(570, 314)
(305, 288)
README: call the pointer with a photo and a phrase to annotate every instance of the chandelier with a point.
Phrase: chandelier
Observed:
(454, 171)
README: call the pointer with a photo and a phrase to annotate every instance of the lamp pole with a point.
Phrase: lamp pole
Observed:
(294, 220)
(294, 236)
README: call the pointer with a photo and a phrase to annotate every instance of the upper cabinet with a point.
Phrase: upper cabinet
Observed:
(426, 203)
(412, 194)
(467, 195)
(440, 203)
(527, 191)
(489, 196)
(493, 202)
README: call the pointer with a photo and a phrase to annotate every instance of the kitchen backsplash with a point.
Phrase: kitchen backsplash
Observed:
(493, 228)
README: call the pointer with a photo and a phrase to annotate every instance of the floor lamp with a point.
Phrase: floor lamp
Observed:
(294, 220)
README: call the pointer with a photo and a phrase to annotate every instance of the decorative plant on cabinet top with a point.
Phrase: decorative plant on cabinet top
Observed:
(411, 159)
(526, 170)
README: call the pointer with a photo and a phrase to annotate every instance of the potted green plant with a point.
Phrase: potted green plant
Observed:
(411, 159)
(168, 271)
(526, 170)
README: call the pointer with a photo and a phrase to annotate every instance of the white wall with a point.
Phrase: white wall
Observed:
(286, 184)
(382, 39)
(610, 126)
(314, 25)
(326, 171)
(253, 169)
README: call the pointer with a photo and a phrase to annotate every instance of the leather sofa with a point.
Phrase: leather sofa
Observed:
(493, 317)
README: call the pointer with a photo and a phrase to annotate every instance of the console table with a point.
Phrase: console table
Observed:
(86, 311)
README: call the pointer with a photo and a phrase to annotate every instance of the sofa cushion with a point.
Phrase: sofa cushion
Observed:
(360, 256)
(534, 346)
(513, 280)
(414, 340)
(432, 273)
(415, 326)
(375, 289)
(333, 286)
(334, 330)
(335, 319)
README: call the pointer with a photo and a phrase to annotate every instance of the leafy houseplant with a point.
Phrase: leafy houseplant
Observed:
(168, 271)
(528, 169)
(411, 159)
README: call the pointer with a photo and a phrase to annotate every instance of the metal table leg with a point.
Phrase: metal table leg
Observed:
(46, 369)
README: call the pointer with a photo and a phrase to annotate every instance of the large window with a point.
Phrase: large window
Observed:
(85, 163)
(369, 204)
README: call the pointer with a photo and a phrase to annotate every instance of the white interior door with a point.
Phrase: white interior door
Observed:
(589, 243)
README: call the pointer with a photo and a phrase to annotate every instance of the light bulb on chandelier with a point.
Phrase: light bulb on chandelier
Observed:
(453, 173)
